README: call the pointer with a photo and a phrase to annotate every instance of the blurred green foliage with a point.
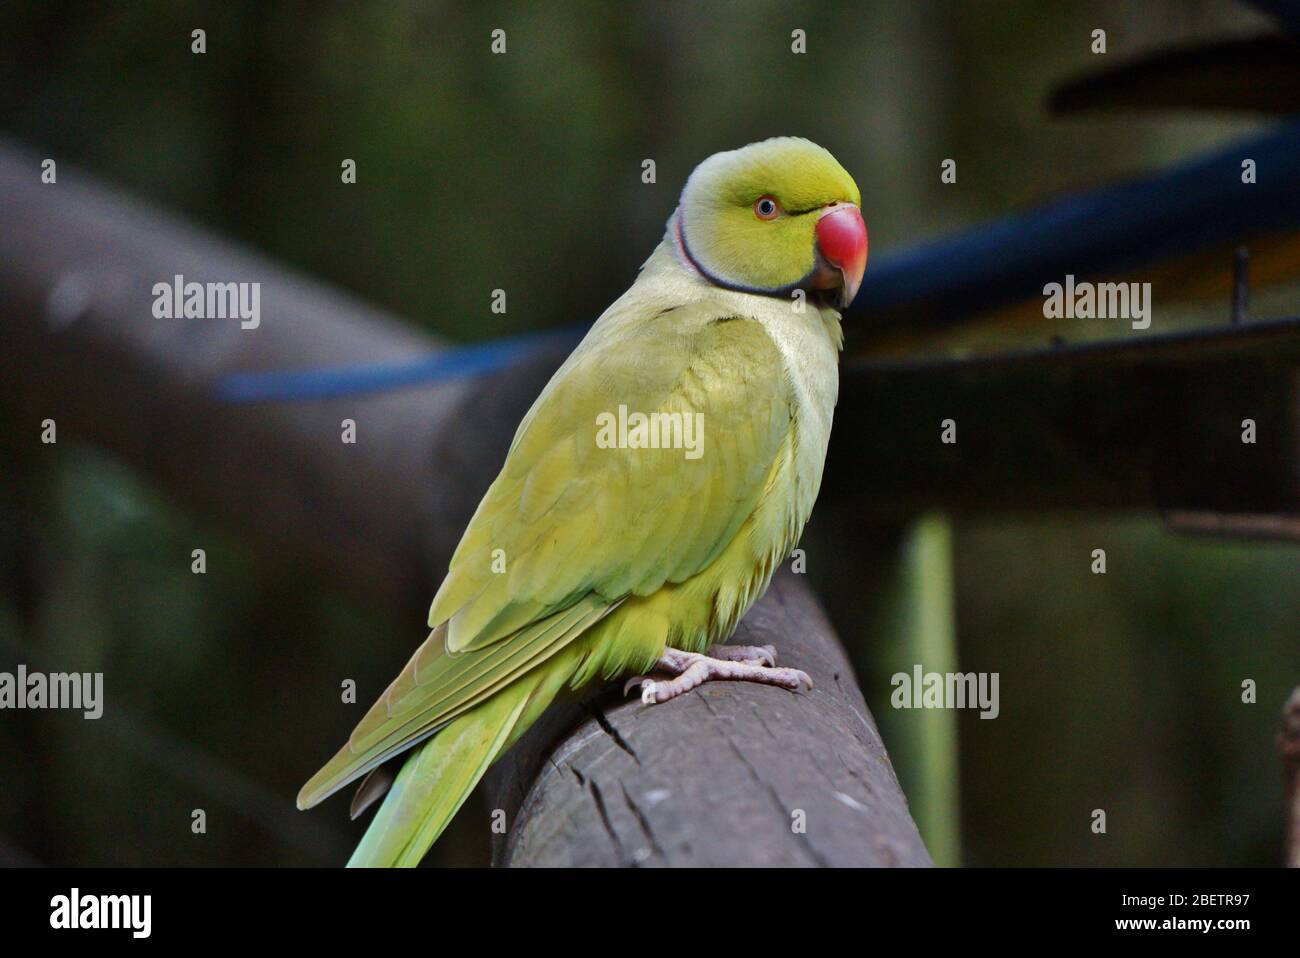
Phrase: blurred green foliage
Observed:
(523, 172)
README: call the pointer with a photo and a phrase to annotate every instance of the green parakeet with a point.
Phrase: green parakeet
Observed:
(648, 495)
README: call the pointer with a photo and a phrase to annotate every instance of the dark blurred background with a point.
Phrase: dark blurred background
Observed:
(1119, 691)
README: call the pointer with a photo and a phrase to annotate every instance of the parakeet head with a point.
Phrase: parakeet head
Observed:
(773, 217)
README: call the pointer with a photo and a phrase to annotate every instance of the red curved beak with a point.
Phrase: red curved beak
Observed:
(842, 245)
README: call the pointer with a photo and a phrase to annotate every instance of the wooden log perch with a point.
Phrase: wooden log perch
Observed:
(730, 774)
(734, 774)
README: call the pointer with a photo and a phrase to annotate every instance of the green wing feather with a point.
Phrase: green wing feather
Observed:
(435, 687)
(570, 518)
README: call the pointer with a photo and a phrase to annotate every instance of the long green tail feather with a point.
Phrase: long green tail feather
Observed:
(441, 773)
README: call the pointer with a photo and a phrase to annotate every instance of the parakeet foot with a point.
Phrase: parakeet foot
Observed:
(753, 654)
(692, 670)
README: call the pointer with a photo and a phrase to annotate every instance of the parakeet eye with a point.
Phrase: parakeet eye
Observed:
(766, 208)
